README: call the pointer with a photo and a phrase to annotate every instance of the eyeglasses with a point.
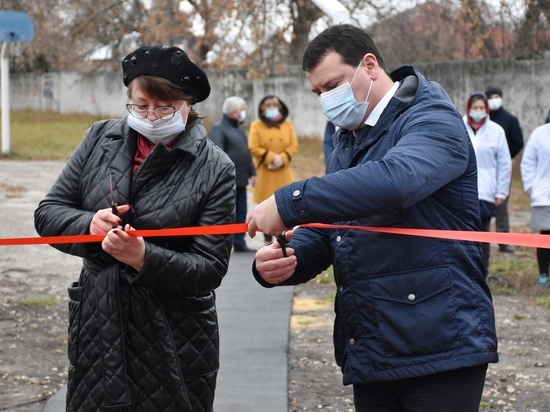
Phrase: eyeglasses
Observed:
(141, 112)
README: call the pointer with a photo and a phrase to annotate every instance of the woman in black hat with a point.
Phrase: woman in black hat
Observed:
(143, 332)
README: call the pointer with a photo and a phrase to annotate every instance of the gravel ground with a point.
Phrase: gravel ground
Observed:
(33, 336)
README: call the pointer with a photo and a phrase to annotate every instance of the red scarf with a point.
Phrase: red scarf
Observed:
(144, 147)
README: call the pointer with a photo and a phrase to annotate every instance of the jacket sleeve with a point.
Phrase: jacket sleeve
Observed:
(529, 162)
(516, 138)
(261, 155)
(199, 269)
(431, 150)
(218, 136)
(504, 166)
(59, 213)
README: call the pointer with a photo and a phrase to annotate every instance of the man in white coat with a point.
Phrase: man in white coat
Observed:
(535, 173)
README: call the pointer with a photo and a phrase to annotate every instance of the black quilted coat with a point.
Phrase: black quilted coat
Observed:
(148, 340)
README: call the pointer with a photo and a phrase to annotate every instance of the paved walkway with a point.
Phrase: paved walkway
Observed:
(254, 335)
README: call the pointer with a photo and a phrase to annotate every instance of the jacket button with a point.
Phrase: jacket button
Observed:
(296, 193)
(340, 288)
(411, 297)
(352, 341)
(338, 238)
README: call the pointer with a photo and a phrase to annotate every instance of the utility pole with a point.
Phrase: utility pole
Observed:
(15, 26)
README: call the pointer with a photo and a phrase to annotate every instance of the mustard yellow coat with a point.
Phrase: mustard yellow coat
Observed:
(264, 143)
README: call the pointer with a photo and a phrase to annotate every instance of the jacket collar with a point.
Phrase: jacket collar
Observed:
(121, 145)
(231, 121)
(410, 82)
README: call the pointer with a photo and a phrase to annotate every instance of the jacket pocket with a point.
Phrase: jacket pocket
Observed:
(415, 312)
(75, 297)
(194, 326)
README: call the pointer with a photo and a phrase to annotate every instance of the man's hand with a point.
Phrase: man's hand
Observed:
(272, 266)
(124, 247)
(104, 220)
(265, 218)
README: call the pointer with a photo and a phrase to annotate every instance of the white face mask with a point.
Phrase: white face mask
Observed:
(477, 116)
(341, 108)
(495, 103)
(243, 116)
(159, 131)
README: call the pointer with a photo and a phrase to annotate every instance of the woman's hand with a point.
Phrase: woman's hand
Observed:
(104, 220)
(124, 247)
(276, 163)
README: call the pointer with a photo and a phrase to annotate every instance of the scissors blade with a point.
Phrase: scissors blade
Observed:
(114, 210)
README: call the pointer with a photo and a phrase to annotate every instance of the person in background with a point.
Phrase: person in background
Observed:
(143, 331)
(494, 166)
(328, 144)
(514, 137)
(228, 134)
(535, 173)
(273, 144)
(414, 326)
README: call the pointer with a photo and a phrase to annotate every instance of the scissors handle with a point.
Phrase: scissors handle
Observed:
(281, 240)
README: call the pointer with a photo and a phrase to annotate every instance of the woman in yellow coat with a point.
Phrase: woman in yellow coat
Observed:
(272, 142)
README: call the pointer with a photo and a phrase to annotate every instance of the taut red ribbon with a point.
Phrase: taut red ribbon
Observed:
(518, 239)
(179, 231)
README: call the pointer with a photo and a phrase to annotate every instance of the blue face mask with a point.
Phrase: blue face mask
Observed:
(271, 113)
(341, 108)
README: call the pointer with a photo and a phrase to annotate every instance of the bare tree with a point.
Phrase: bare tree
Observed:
(304, 13)
(474, 29)
(265, 36)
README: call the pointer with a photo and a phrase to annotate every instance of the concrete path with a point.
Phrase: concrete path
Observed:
(254, 335)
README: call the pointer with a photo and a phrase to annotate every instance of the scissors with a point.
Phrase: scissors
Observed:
(281, 240)
(114, 210)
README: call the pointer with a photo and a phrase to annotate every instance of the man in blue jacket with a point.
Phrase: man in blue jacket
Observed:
(414, 327)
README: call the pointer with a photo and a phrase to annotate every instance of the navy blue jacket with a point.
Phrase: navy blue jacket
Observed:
(510, 124)
(405, 306)
(228, 134)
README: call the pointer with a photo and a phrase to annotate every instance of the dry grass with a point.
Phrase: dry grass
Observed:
(310, 160)
(46, 135)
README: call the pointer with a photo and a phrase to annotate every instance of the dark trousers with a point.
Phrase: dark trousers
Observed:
(459, 390)
(486, 247)
(543, 256)
(502, 221)
(240, 209)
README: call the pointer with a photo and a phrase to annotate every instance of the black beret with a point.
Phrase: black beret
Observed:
(493, 90)
(170, 63)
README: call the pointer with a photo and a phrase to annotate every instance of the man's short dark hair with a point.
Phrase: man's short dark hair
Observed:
(350, 42)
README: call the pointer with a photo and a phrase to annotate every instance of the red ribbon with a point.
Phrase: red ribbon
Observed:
(518, 239)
